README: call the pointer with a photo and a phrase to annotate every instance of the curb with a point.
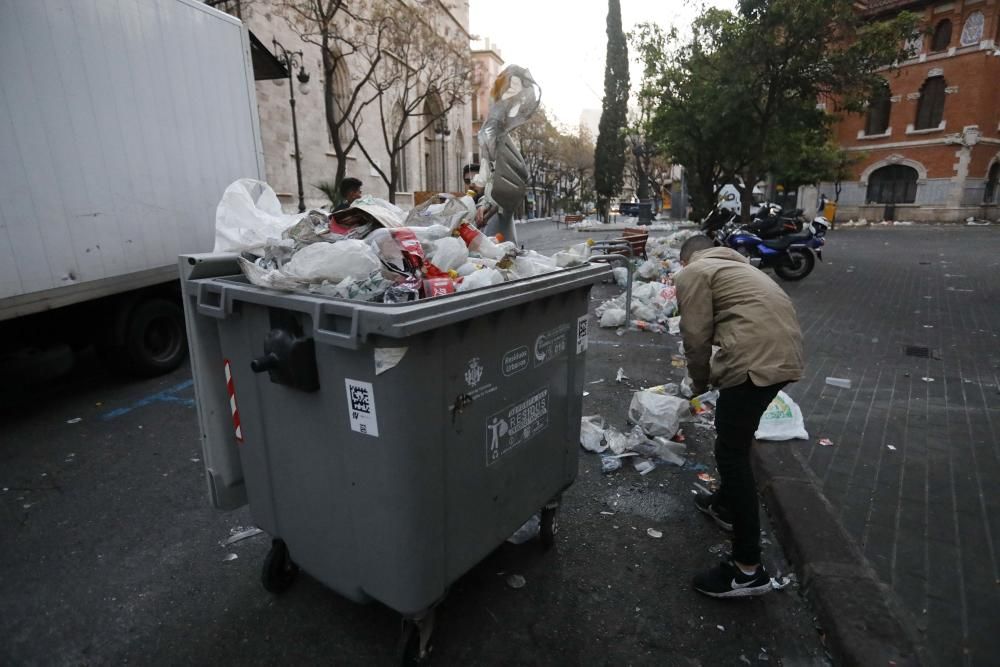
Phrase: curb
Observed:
(864, 622)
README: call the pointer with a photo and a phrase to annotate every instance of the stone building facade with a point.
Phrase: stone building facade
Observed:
(930, 140)
(487, 63)
(429, 162)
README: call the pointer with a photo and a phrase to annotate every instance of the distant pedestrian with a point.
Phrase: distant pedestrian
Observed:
(725, 301)
(350, 190)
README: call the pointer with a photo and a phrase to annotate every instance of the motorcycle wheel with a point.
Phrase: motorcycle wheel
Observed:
(796, 265)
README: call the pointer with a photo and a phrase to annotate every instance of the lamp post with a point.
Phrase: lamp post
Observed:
(291, 60)
(442, 130)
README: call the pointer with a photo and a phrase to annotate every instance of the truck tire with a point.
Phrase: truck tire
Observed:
(155, 340)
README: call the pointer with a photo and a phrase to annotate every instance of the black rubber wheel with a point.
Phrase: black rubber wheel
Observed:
(548, 526)
(155, 338)
(408, 648)
(796, 265)
(279, 571)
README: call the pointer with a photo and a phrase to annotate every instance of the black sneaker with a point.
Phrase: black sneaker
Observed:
(725, 580)
(708, 505)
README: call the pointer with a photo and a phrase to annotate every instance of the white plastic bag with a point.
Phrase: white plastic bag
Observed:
(658, 414)
(617, 441)
(333, 262)
(621, 275)
(248, 214)
(592, 433)
(782, 420)
(480, 278)
(388, 214)
(449, 253)
(649, 269)
(613, 317)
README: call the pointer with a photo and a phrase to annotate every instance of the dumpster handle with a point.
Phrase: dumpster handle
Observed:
(336, 324)
(628, 282)
(212, 300)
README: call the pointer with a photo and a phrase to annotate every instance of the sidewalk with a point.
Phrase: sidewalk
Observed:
(911, 482)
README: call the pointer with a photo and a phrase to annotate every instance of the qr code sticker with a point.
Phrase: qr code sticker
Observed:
(361, 407)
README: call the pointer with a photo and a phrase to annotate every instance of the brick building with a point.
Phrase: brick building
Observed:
(930, 140)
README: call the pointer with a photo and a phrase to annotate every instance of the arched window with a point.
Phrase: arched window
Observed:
(893, 184)
(930, 108)
(879, 108)
(992, 195)
(942, 36)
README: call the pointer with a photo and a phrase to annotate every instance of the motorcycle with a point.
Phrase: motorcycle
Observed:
(768, 223)
(792, 256)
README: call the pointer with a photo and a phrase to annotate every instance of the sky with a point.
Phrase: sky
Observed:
(563, 42)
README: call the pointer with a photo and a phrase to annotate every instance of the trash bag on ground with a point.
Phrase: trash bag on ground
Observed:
(782, 420)
(249, 214)
(617, 442)
(613, 317)
(658, 414)
(592, 434)
(621, 276)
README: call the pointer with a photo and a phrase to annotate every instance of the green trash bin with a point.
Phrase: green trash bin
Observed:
(387, 448)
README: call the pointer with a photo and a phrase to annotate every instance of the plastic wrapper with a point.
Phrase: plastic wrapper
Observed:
(403, 291)
(333, 262)
(617, 442)
(610, 464)
(448, 214)
(314, 227)
(385, 213)
(371, 288)
(266, 277)
(782, 420)
(438, 287)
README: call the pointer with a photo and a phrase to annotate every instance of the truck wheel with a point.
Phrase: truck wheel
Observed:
(155, 338)
(796, 265)
(279, 571)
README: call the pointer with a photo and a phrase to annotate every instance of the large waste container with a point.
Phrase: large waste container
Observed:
(387, 448)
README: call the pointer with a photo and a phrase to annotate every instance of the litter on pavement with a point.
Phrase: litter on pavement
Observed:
(654, 533)
(782, 420)
(516, 581)
(839, 382)
(239, 534)
(826, 442)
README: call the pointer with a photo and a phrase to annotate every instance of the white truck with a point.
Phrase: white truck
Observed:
(121, 124)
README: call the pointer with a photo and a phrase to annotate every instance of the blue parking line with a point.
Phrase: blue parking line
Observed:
(165, 396)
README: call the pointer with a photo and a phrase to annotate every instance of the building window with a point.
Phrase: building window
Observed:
(993, 185)
(972, 31)
(879, 108)
(894, 184)
(930, 108)
(942, 36)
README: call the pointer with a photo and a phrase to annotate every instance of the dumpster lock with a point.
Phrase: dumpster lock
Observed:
(289, 359)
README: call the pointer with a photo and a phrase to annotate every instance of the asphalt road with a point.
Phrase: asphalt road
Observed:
(113, 555)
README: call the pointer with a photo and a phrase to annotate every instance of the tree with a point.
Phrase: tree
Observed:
(744, 90)
(537, 142)
(340, 33)
(609, 156)
(417, 77)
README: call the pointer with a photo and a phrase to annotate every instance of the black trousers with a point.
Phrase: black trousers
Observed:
(737, 415)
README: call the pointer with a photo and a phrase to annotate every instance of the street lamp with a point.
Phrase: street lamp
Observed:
(291, 60)
(442, 130)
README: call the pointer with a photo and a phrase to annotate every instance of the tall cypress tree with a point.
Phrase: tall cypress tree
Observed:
(609, 155)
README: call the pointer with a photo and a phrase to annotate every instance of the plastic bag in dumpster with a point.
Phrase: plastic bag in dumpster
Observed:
(247, 216)
(658, 414)
(333, 262)
(782, 420)
(449, 253)
(373, 210)
(481, 278)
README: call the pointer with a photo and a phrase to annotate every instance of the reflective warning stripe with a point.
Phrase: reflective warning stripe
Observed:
(231, 388)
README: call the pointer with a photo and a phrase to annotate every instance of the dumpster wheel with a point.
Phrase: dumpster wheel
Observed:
(279, 571)
(414, 641)
(549, 524)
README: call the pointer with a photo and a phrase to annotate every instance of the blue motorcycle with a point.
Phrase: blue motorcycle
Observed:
(792, 256)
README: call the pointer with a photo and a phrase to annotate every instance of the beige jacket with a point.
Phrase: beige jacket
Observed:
(726, 301)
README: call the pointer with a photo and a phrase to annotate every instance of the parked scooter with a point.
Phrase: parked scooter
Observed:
(792, 256)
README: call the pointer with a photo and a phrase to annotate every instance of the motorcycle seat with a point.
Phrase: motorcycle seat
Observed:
(783, 242)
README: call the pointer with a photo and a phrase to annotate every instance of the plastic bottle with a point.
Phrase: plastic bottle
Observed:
(478, 242)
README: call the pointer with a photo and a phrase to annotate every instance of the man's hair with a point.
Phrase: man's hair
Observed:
(693, 245)
(348, 185)
(472, 168)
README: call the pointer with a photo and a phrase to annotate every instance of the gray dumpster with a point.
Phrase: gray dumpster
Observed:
(387, 448)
